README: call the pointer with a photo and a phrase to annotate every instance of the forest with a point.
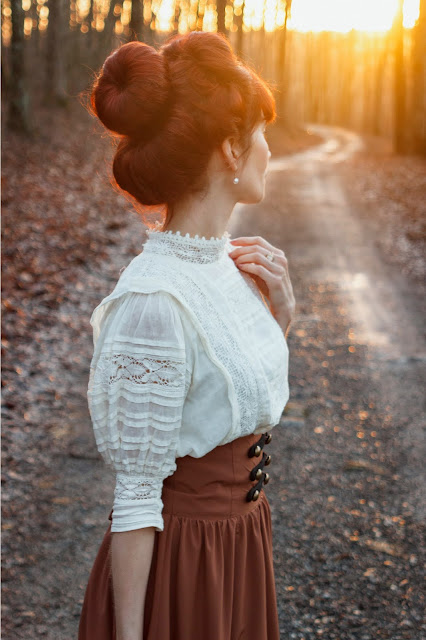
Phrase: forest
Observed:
(370, 80)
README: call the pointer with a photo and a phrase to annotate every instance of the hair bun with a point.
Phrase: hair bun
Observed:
(131, 92)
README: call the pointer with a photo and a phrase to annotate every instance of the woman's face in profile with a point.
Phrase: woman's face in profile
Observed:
(253, 174)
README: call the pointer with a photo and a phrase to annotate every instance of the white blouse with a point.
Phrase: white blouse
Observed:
(187, 357)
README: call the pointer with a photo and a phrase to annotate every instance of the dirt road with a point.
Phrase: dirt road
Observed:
(349, 505)
(347, 476)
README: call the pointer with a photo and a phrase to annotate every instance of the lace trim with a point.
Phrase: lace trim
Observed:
(136, 488)
(196, 249)
(120, 366)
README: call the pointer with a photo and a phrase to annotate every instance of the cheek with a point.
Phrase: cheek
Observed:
(263, 156)
(258, 160)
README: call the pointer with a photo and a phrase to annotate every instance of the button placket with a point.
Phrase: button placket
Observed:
(262, 477)
(254, 473)
(257, 447)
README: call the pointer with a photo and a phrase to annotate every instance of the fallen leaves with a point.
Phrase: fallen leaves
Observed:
(361, 465)
(384, 547)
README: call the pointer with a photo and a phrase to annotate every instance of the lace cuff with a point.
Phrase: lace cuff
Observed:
(137, 503)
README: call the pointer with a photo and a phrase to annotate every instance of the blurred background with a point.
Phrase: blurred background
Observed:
(345, 199)
(359, 64)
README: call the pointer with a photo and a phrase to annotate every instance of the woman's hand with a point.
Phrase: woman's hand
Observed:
(271, 277)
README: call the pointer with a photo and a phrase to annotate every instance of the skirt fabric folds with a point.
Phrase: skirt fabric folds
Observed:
(212, 573)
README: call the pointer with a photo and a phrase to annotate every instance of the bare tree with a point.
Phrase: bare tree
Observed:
(19, 95)
(418, 98)
(239, 19)
(136, 21)
(281, 59)
(379, 73)
(107, 40)
(175, 26)
(56, 53)
(221, 8)
(399, 81)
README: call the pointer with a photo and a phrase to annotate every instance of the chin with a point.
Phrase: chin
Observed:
(254, 197)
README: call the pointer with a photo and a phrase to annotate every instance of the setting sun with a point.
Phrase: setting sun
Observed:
(344, 15)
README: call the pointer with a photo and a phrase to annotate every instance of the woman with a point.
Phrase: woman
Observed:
(189, 371)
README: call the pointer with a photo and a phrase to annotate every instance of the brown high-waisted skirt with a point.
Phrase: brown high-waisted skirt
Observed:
(212, 574)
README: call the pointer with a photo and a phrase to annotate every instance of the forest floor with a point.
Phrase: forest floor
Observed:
(346, 488)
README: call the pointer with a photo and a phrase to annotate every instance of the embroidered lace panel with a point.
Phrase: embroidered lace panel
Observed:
(139, 370)
(185, 247)
(130, 487)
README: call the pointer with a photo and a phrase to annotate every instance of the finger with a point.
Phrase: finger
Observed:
(256, 258)
(258, 270)
(247, 240)
(279, 256)
(249, 249)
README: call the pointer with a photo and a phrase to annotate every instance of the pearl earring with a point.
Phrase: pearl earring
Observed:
(236, 180)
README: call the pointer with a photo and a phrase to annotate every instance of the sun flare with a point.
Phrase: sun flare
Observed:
(344, 15)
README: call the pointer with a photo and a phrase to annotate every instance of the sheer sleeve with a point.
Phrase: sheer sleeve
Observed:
(139, 377)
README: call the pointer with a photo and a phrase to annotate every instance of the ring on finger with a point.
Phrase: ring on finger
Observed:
(270, 256)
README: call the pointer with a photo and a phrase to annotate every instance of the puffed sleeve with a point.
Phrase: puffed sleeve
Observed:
(137, 387)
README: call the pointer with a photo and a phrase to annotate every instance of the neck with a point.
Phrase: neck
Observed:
(206, 214)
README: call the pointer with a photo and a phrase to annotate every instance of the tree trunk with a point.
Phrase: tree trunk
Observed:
(91, 35)
(56, 54)
(136, 21)
(148, 33)
(199, 17)
(379, 74)
(418, 115)
(107, 35)
(281, 75)
(368, 59)
(239, 19)
(220, 8)
(175, 27)
(19, 96)
(399, 125)
(308, 82)
(260, 49)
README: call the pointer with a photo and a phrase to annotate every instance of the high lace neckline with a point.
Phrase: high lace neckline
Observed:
(196, 249)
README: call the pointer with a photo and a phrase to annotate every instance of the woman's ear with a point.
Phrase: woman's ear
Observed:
(230, 152)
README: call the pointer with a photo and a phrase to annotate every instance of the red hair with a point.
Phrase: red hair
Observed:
(172, 108)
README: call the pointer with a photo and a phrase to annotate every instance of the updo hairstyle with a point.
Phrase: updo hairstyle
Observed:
(172, 108)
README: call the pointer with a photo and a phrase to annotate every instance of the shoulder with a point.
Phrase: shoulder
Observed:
(157, 314)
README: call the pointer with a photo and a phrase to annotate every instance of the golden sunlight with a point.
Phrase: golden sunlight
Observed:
(344, 15)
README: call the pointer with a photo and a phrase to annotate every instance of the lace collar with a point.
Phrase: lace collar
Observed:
(199, 250)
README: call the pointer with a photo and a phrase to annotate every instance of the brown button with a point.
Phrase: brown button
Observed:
(259, 473)
(257, 451)
(266, 478)
(256, 494)
(268, 438)
(268, 460)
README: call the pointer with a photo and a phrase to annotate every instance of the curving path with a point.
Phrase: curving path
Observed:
(348, 495)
